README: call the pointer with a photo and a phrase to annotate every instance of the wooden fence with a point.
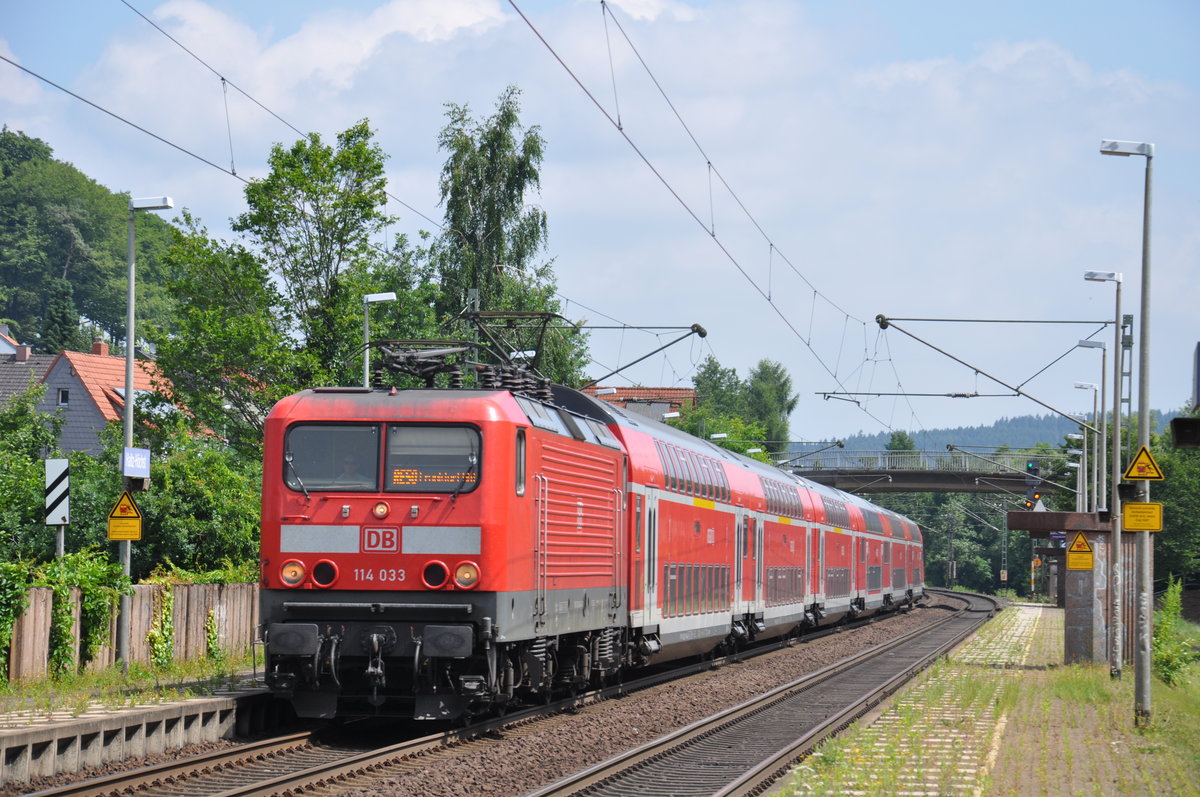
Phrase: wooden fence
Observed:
(235, 607)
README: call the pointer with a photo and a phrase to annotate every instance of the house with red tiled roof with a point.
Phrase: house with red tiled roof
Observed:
(652, 402)
(21, 368)
(89, 391)
(8, 344)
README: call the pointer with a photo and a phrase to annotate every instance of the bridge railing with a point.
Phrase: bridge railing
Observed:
(959, 461)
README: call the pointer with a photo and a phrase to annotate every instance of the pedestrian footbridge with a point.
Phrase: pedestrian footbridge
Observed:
(955, 470)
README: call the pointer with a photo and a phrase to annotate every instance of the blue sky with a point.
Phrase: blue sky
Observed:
(918, 159)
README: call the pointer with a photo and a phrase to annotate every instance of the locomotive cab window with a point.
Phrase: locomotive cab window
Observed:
(332, 457)
(426, 458)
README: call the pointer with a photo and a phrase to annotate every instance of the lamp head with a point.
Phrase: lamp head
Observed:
(371, 298)
(151, 203)
(1091, 344)
(1103, 276)
(1126, 148)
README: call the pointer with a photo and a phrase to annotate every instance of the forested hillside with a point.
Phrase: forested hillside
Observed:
(64, 252)
(1022, 431)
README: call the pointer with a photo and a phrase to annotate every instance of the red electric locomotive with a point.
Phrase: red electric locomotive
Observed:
(441, 552)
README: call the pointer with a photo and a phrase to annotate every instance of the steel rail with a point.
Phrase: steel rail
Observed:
(122, 782)
(755, 775)
(224, 764)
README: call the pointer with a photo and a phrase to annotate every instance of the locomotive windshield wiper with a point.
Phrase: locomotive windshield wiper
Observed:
(287, 457)
(472, 460)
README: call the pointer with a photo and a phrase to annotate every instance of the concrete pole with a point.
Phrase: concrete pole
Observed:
(1145, 619)
(125, 551)
(1118, 633)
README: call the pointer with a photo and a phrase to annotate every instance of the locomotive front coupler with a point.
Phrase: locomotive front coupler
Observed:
(377, 642)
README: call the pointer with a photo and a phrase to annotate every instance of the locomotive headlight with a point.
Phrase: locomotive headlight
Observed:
(466, 575)
(292, 573)
(381, 509)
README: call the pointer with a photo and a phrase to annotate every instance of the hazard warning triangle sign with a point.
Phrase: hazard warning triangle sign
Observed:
(1143, 466)
(1080, 545)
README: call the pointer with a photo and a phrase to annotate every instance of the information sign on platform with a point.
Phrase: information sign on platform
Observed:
(1141, 516)
(125, 519)
(1080, 555)
(1143, 467)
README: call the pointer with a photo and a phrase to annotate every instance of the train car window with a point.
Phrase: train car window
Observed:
(862, 551)
(637, 514)
(333, 457)
(685, 470)
(698, 465)
(723, 482)
(520, 462)
(874, 523)
(667, 466)
(427, 458)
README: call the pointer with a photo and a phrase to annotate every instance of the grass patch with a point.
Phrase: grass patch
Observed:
(110, 689)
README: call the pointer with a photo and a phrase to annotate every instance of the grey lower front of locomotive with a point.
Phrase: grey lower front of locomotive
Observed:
(429, 655)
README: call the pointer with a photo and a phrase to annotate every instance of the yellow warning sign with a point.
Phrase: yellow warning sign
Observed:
(125, 519)
(1143, 467)
(1079, 553)
(1141, 516)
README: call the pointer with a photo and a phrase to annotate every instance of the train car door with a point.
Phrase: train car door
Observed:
(759, 568)
(816, 567)
(748, 562)
(739, 555)
(652, 612)
(637, 559)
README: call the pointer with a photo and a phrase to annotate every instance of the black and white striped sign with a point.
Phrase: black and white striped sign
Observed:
(58, 493)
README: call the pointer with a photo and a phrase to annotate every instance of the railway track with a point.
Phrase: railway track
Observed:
(741, 750)
(298, 762)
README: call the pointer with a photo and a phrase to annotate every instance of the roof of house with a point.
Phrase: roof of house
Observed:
(674, 397)
(103, 375)
(16, 375)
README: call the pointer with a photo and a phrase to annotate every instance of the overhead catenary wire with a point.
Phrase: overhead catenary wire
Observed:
(225, 81)
(691, 211)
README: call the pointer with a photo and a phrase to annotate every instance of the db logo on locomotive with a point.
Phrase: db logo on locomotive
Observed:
(382, 540)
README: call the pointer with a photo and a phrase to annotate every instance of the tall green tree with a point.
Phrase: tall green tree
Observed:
(282, 309)
(488, 257)
(770, 401)
(313, 217)
(60, 329)
(900, 441)
(1177, 548)
(719, 389)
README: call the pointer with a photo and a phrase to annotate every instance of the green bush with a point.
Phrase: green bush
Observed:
(1173, 650)
(14, 594)
(101, 585)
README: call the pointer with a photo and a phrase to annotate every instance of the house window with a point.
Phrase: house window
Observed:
(64, 396)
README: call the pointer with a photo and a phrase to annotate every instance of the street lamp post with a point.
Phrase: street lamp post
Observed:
(1081, 471)
(368, 300)
(1116, 648)
(1102, 472)
(1141, 692)
(1097, 446)
(143, 203)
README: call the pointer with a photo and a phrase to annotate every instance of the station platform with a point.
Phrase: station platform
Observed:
(942, 733)
(36, 742)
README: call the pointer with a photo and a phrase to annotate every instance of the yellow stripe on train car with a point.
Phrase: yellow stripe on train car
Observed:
(704, 503)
